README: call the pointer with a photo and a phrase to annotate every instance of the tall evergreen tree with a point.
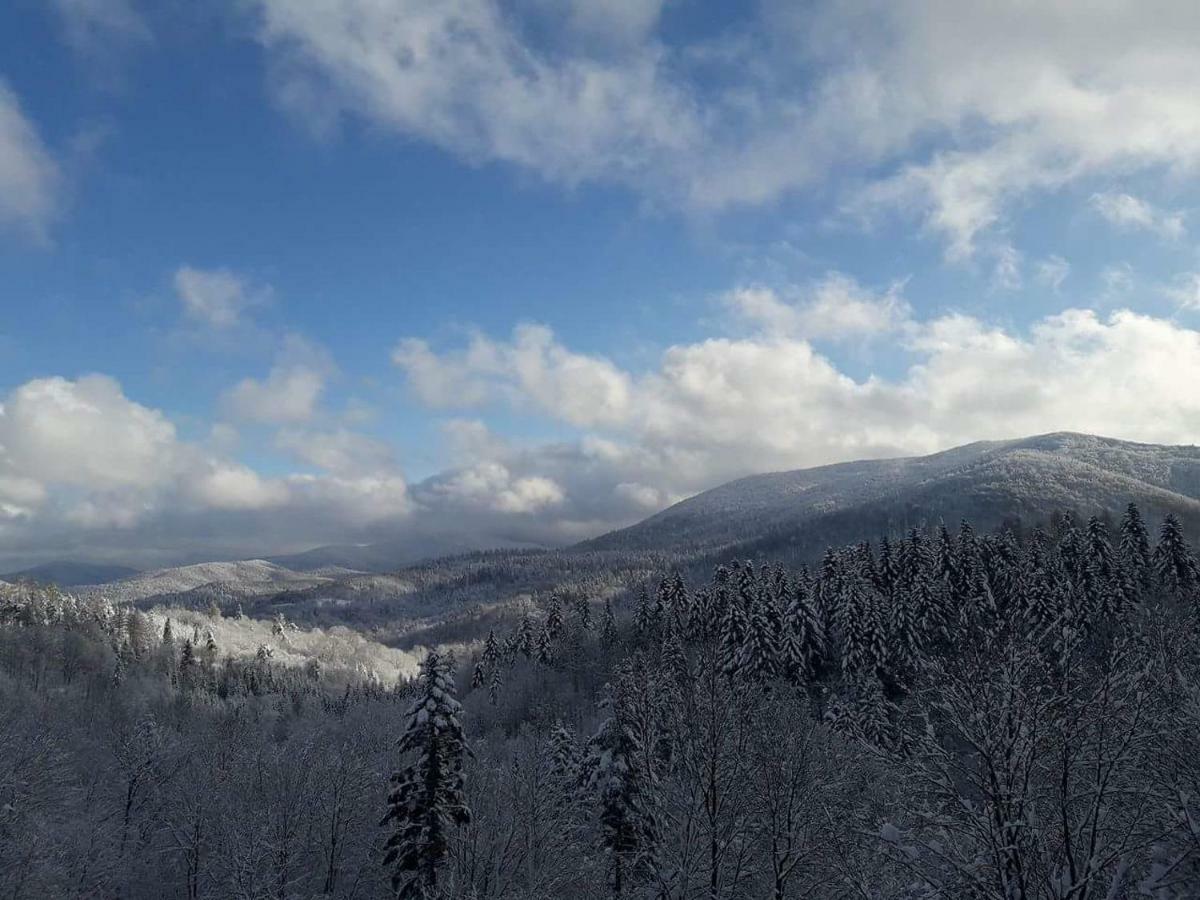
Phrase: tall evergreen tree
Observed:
(554, 617)
(616, 761)
(583, 613)
(428, 791)
(1173, 560)
(643, 615)
(608, 627)
(758, 657)
(1136, 555)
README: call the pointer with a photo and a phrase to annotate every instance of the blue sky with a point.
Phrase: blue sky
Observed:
(283, 272)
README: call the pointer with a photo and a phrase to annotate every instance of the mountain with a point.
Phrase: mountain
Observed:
(66, 573)
(387, 556)
(218, 580)
(990, 482)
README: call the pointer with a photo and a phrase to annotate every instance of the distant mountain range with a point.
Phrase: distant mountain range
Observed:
(784, 515)
(69, 574)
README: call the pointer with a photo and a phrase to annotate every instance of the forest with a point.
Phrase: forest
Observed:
(947, 714)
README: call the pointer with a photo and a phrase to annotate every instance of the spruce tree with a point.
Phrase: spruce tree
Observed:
(495, 685)
(733, 636)
(545, 648)
(526, 638)
(428, 791)
(616, 754)
(583, 613)
(643, 616)
(554, 617)
(608, 627)
(1174, 563)
(1136, 554)
(759, 655)
(478, 676)
(491, 651)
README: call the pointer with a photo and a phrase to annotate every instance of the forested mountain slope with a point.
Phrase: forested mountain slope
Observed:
(989, 482)
(964, 715)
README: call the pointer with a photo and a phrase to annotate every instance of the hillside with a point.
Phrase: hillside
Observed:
(988, 482)
(222, 580)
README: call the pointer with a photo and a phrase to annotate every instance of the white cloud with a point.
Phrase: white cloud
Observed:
(533, 368)
(230, 486)
(290, 393)
(216, 297)
(340, 451)
(83, 466)
(1052, 272)
(85, 433)
(834, 307)
(1129, 212)
(490, 486)
(30, 180)
(948, 110)
(720, 408)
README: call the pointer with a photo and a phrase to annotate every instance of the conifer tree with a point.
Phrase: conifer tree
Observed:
(643, 615)
(187, 662)
(803, 648)
(733, 636)
(608, 627)
(1173, 560)
(168, 638)
(545, 648)
(495, 685)
(759, 655)
(491, 651)
(1136, 554)
(583, 613)
(208, 655)
(554, 617)
(478, 676)
(565, 756)
(616, 752)
(526, 639)
(428, 791)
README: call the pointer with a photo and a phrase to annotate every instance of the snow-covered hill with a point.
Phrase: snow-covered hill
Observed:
(224, 580)
(986, 482)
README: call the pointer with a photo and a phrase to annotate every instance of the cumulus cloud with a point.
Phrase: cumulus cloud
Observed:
(30, 180)
(82, 466)
(290, 393)
(532, 368)
(720, 408)
(341, 451)
(835, 307)
(1130, 213)
(215, 297)
(952, 110)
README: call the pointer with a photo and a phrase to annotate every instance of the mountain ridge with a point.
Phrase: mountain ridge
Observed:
(987, 481)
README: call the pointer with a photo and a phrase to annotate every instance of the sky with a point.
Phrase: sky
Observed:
(283, 273)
